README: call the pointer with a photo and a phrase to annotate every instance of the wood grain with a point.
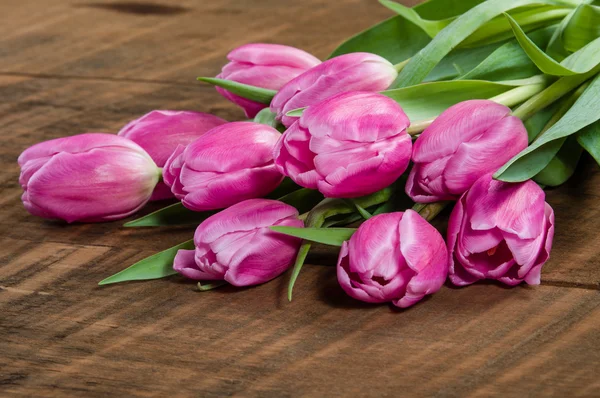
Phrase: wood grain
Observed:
(74, 66)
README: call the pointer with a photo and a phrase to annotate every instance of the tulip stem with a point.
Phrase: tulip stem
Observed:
(160, 175)
(210, 286)
(418, 126)
(400, 65)
(430, 210)
(518, 95)
(551, 94)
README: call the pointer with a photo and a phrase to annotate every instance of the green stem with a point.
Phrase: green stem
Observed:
(563, 109)
(430, 210)
(519, 94)
(556, 91)
(528, 19)
(399, 66)
(210, 286)
(160, 175)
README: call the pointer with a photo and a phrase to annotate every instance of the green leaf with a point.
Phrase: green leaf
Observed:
(537, 122)
(258, 94)
(326, 236)
(589, 139)
(430, 27)
(582, 28)
(509, 61)
(428, 100)
(562, 166)
(579, 62)
(530, 161)
(285, 187)
(267, 117)
(156, 266)
(303, 199)
(531, 17)
(298, 263)
(175, 214)
(296, 112)
(462, 27)
(365, 214)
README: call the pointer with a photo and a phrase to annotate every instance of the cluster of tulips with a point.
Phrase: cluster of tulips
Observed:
(349, 143)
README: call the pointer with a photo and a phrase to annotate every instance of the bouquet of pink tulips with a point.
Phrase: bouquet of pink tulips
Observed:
(473, 105)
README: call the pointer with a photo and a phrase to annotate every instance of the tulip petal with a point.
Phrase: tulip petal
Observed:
(514, 208)
(458, 275)
(426, 254)
(484, 154)
(98, 185)
(244, 216)
(350, 281)
(185, 264)
(459, 123)
(226, 189)
(273, 54)
(534, 275)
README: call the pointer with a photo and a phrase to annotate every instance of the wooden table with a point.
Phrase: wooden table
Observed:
(68, 67)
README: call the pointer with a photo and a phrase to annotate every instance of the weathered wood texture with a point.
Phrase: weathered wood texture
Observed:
(73, 66)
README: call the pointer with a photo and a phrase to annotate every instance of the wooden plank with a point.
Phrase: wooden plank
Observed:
(160, 337)
(175, 43)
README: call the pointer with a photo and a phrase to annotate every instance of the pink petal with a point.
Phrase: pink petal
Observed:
(425, 253)
(485, 154)
(514, 208)
(273, 54)
(457, 124)
(97, 185)
(244, 216)
(185, 264)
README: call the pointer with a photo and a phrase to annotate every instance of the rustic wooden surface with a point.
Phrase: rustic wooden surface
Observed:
(72, 66)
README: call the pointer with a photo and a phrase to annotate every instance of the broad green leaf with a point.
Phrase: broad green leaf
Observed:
(583, 27)
(175, 214)
(509, 61)
(258, 94)
(562, 166)
(579, 62)
(267, 117)
(428, 100)
(398, 39)
(326, 236)
(530, 161)
(536, 123)
(430, 27)
(530, 17)
(156, 266)
(461, 61)
(589, 139)
(450, 37)
(303, 199)
(395, 39)
(555, 48)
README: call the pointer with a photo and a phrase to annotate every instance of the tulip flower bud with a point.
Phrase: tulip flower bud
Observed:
(236, 244)
(349, 145)
(500, 231)
(160, 132)
(263, 65)
(88, 177)
(397, 257)
(349, 72)
(468, 140)
(228, 164)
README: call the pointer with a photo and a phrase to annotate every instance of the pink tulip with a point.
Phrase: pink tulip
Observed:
(263, 65)
(160, 132)
(236, 244)
(397, 257)
(88, 177)
(349, 72)
(228, 164)
(500, 231)
(349, 145)
(466, 141)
